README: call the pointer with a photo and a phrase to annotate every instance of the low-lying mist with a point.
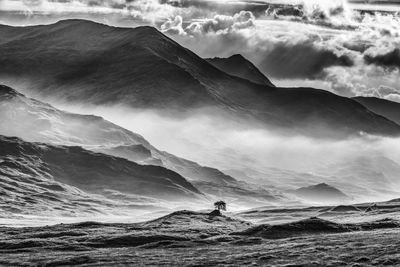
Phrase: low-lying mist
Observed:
(366, 168)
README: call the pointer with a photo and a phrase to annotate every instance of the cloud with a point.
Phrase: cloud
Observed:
(173, 26)
(221, 7)
(393, 97)
(301, 60)
(332, 14)
(389, 59)
(146, 10)
(348, 52)
(223, 23)
(220, 24)
(212, 139)
(297, 55)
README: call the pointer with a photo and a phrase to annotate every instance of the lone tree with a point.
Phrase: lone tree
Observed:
(220, 205)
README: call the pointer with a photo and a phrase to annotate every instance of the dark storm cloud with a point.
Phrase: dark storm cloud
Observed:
(360, 46)
(389, 59)
(301, 60)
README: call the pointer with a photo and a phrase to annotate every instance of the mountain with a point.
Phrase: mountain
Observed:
(31, 173)
(383, 107)
(239, 66)
(320, 193)
(36, 121)
(87, 62)
(33, 120)
(376, 176)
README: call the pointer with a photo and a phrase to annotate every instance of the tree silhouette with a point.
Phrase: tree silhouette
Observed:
(220, 205)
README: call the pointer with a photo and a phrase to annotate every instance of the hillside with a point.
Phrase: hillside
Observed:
(82, 61)
(383, 107)
(39, 177)
(36, 121)
(187, 237)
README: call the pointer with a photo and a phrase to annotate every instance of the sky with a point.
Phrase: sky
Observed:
(349, 48)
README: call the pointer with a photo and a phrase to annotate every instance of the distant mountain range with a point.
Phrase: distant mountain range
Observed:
(375, 173)
(35, 121)
(38, 177)
(86, 62)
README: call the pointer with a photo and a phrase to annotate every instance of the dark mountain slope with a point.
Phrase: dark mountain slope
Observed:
(89, 171)
(239, 66)
(383, 107)
(307, 106)
(84, 61)
(101, 64)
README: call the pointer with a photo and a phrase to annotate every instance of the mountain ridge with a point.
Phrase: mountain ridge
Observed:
(77, 60)
(43, 179)
(74, 158)
(239, 66)
(383, 107)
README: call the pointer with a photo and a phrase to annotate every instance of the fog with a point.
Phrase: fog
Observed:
(367, 167)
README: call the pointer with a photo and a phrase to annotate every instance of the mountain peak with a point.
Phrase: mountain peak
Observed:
(88, 23)
(77, 23)
(93, 25)
(80, 22)
(321, 193)
(238, 56)
(320, 186)
(323, 185)
(238, 65)
(101, 36)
